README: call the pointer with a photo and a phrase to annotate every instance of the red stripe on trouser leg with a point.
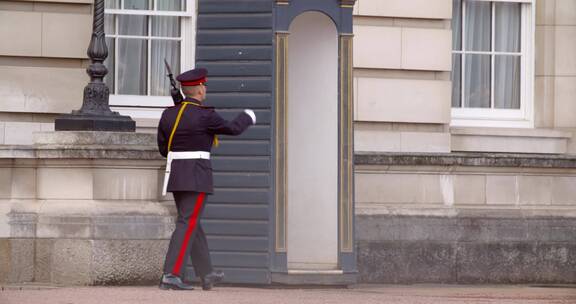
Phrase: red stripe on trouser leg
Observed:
(191, 227)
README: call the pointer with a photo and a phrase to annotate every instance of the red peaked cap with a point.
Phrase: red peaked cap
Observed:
(193, 77)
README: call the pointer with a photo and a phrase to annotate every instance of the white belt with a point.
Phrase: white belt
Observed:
(180, 155)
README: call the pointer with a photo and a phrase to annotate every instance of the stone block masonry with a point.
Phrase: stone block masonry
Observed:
(79, 208)
(466, 218)
(467, 250)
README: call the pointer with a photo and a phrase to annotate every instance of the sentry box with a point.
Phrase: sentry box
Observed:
(283, 208)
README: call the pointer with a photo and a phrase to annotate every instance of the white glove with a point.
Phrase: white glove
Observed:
(252, 115)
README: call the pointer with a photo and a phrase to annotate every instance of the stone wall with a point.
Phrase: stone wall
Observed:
(42, 64)
(556, 66)
(83, 208)
(466, 218)
(402, 63)
(480, 248)
(402, 68)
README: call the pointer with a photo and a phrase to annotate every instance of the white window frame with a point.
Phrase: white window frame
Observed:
(507, 118)
(140, 106)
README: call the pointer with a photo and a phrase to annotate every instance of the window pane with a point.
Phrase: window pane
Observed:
(507, 82)
(109, 63)
(456, 80)
(508, 25)
(477, 81)
(109, 24)
(478, 26)
(132, 25)
(159, 83)
(132, 66)
(138, 4)
(457, 25)
(165, 26)
(112, 4)
(169, 5)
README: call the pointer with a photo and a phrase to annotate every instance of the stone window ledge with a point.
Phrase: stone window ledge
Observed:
(540, 141)
(545, 133)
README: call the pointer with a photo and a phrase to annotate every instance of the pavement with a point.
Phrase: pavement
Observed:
(361, 294)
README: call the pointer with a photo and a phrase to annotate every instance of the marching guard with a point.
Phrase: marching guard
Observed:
(186, 134)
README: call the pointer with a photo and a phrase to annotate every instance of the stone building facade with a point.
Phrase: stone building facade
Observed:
(464, 125)
(455, 194)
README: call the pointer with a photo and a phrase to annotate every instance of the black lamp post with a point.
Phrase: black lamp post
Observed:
(95, 114)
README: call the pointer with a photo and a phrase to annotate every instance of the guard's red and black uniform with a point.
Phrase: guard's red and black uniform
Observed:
(191, 179)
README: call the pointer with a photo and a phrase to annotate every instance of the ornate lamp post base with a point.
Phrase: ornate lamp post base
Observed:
(95, 114)
(86, 122)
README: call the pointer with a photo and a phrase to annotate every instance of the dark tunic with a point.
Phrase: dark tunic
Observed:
(196, 131)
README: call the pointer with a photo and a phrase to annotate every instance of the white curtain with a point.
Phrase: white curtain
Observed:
(478, 22)
(478, 67)
(456, 58)
(109, 63)
(113, 4)
(507, 67)
(133, 54)
(110, 29)
(165, 49)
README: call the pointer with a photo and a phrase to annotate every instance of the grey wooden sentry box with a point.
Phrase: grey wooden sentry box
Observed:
(260, 221)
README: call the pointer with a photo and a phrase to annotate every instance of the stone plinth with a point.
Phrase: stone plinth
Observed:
(83, 208)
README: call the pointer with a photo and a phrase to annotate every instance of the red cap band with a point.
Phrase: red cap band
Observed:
(193, 83)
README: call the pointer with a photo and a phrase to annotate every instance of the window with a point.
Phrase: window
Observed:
(492, 76)
(140, 34)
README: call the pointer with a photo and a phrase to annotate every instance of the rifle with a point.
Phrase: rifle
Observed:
(174, 91)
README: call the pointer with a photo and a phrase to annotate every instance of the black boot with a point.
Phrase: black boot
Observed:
(170, 281)
(212, 278)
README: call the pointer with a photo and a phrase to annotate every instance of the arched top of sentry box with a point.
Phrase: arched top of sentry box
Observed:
(340, 11)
